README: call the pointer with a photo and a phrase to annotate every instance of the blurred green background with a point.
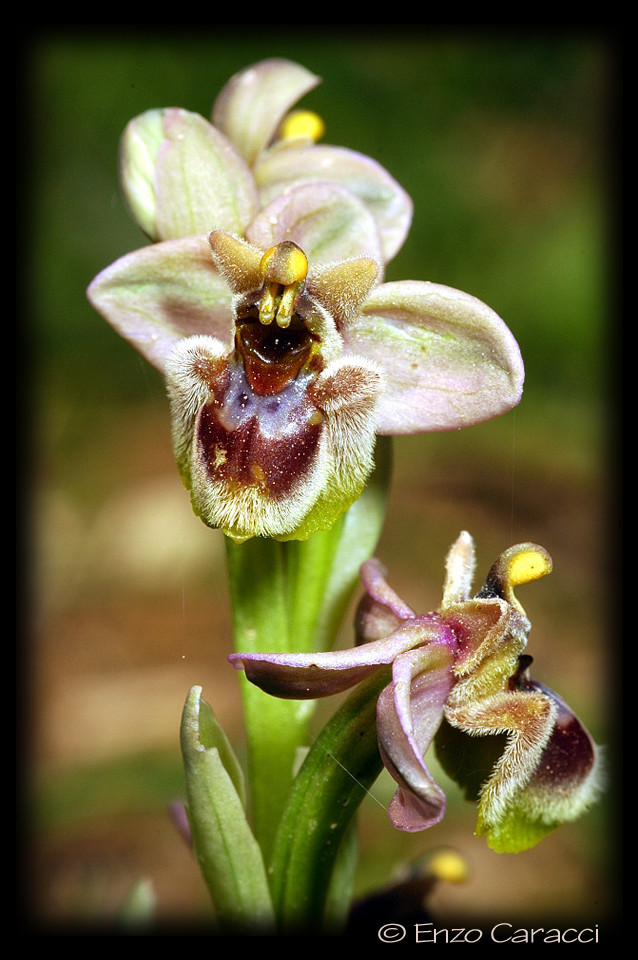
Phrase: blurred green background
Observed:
(504, 139)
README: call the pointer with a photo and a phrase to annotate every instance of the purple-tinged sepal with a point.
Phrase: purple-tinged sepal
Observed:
(255, 101)
(181, 176)
(308, 676)
(454, 361)
(409, 712)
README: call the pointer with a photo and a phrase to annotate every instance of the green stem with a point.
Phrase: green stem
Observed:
(311, 564)
(275, 728)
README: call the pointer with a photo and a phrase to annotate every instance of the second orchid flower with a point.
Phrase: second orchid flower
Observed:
(460, 668)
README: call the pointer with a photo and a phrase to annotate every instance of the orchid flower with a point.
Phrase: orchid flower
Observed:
(263, 303)
(461, 666)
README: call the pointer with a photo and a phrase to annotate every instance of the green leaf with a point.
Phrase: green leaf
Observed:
(341, 889)
(229, 856)
(213, 736)
(339, 769)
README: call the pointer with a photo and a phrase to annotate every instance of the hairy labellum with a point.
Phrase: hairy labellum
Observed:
(273, 438)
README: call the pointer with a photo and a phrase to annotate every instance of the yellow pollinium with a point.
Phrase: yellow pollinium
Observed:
(302, 125)
(518, 565)
(449, 865)
(284, 268)
(526, 564)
